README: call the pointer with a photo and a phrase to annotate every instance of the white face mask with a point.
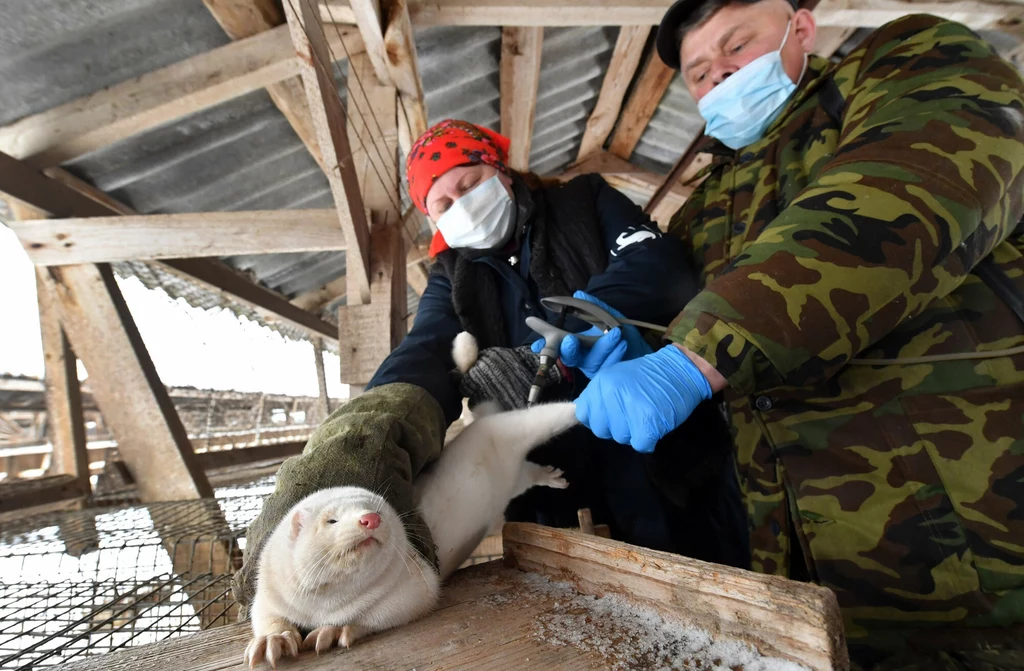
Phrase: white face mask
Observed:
(480, 219)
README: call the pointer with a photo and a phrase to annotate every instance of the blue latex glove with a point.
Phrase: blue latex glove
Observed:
(605, 352)
(638, 402)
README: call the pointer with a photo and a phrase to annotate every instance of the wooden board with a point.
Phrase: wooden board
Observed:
(50, 242)
(493, 616)
(629, 48)
(520, 74)
(150, 436)
(780, 617)
(643, 101)
(329, 122)
(156, 98)
(549, 13)
(66, 196)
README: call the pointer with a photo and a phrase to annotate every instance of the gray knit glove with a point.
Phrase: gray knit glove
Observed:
(504, 375)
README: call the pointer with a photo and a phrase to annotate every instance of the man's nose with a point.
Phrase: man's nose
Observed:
(723, 74)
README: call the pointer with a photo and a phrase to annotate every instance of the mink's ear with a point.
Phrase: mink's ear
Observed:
(298, 521)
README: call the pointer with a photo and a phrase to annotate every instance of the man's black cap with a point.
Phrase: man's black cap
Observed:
(678, 13)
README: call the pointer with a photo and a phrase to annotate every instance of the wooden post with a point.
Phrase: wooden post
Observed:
(321, 378)
(66, 424)
(150, 436)
(520, 74)
(368, 333)
(65, 420)
(328, 117)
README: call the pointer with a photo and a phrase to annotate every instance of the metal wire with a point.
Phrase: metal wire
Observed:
(329, 67)
(88, 582)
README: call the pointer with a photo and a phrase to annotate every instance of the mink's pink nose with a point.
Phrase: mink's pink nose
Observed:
(370, 520)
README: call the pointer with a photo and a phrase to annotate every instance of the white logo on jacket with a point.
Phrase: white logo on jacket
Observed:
(633, 235)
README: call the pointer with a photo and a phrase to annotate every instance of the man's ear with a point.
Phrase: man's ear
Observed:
(299, 519)
(806, 29)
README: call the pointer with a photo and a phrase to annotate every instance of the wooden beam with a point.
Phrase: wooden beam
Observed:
(403, 64)
(52, 242)
(520, 74)
(248, 455)
(369, 21)
(976, 15)
(650, 88)
(131, 107)
(329, 123)
(370, 331)
(244, 18)
(797, 621)
(829, 38)
(65, 422)
(685, 166)
(30, 186)
(554, 13)
(324, 406)
(629, 48)
(627, 177)
(21, 494)
(150, 436)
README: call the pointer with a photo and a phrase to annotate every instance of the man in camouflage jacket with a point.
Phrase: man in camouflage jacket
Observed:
(848, 233)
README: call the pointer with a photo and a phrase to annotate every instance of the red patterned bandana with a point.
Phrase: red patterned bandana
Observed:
(447, 145)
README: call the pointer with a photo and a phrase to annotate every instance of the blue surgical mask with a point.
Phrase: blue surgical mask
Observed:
(739, 110)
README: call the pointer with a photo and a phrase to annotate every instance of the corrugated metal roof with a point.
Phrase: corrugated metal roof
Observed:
(243, 155)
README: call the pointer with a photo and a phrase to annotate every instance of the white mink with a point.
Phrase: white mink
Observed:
(340, 564)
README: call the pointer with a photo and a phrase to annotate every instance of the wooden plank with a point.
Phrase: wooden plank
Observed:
(122, 110)
(629, 49)
(329, 123)
(828, 39)
(520, 74)
(244, 18)
(21, 494)
(369, 21)
(538, 12)
(64, 419)
(686, 166)
(629, 178)
(369, 332)
(248, 455)
(1006, 17)
(403, 64)
(324, 405)
(124, 382)
(780, 617)
(219, 276)
(558, 13)
(650, 88)
(51, 242)
(30, 186)
(490, 617)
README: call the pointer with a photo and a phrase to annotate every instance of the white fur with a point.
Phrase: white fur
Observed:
(315, 574)
(465, 351)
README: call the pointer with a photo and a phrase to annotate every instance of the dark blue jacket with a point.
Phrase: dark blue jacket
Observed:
(648, 277)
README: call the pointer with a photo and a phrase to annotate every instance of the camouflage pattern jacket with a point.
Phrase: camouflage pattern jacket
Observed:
(899, 486)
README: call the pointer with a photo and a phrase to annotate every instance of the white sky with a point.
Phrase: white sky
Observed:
(208, 349)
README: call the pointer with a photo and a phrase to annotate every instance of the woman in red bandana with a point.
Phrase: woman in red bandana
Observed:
(504, 241)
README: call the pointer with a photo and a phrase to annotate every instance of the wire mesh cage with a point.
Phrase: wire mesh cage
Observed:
(92, 581)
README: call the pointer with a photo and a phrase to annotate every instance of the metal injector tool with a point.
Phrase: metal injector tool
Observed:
(553, 334)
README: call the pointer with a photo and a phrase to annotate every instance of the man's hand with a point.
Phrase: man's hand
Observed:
(638, 402)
